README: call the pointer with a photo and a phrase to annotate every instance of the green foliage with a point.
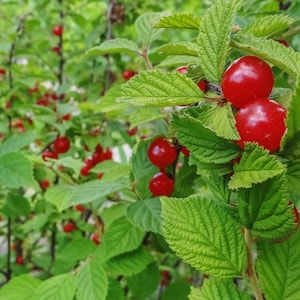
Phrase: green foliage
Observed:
(180, 21)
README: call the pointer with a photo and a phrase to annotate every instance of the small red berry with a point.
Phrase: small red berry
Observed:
(95, 238)
(85, 170)
(19, 260)
(182, 70)
(68, 227)
(283, 42)
(80, 207)
(202, 85)
(161, 185)
(33, 90)
(61, 144)
(44, 184)
(2, 72)
(57, 30)
(132, 131)
(56, 49)
(66, 117)
(49, 154)
(185, 151)
(161, 153)
(127, 74)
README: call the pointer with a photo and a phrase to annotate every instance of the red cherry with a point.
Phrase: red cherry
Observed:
(85, 170)
(61, 144)
(161, 153)
(57, 30)
(98, 157)
(49, 154)
(283, 42)
(33, 90)
(261, 121)
(80, 208)
(44, 184)
(66, 117)
(161, 185)
(247, 78)
(95, 238)
(182, 70)
(132, 131)
(68, 227)
(56, 49)
(2, 72)
(202, 85)
(185, 151)
(108, 154)
(127, 74)
(19, 260)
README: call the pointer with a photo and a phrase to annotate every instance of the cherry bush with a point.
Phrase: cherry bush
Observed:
(149, 150)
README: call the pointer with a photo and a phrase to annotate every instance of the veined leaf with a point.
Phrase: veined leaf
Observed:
(293, 176)
(64, 196)
(256, 165)
(293, 120)
(144, 26)
(267, 49)
(264, 209)
(119, 237)
(215, 288)
(278, 268)
(181, 21)
(129, 263)
(158, 88)
(92, 281)
(178, 60)
(61, 287)
(206, 237)
(117, 45)
(145, 214)
(15, 143)
(213, 39)
(267, 26)
(187, 48)
(16, 171)
(24, 285)
(203, 143)
(115, 290)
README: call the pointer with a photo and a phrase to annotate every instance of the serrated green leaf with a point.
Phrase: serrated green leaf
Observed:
(187, 48)
(207, 237)
(117, 45)
(119, 237)
(177, 61)
(267, 49)
(15, 143)
(181, 21)
(145, 214)
(256, 165)
(144, 284)
(115, 290)
(112, 170)
(267, 26)
(213, 38)
(64, 196)
(292, 121)
(129, 263)
(16, 171)
(278, 268)
(264, 209)
(61, 287)
(92, 281)
(213, 289)
(177, 290)
(203, 143)
(293, 176)
(69, 162)
(144, 26)
(24, 285)
(158, 88)
(16, 206)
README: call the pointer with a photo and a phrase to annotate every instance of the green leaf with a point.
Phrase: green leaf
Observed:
(117, 45)
(16, 171)
(15, 143)
(129, 263)
(267, 26)
(203, 143)
(119, 237)
(115, 290)
(206, 237)
(178, 60)
(187, 48)
(144, 284)
(181, 21)
(278, 268)
(177, 290)
(16, 206)
(61, 287)
(256, 165)
(92, 282)
(144, 115)
(264, 209)
(292, 121)
(213, 39)
(24, 285)
(293, 176)
(214, 288)
(144, 27)
(64, 196)
(281, 56)
(145, 214)
(158, 88)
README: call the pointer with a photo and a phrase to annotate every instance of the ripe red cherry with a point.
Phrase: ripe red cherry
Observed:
(247, 78)
(161, 185)
(56, 49)
(44, 184)
(49, 154)
(61, 144)
(127, 74)
(2, 72)
(182, 70)
(68, 227)
(202, 85)
(161, 153)
(19, 260)
(185, 151)
(261, 121)
(57, 30)
(95, 238)
(80, 207)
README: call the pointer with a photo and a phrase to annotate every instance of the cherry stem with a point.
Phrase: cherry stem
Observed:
(144, 54)
(251, 272)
